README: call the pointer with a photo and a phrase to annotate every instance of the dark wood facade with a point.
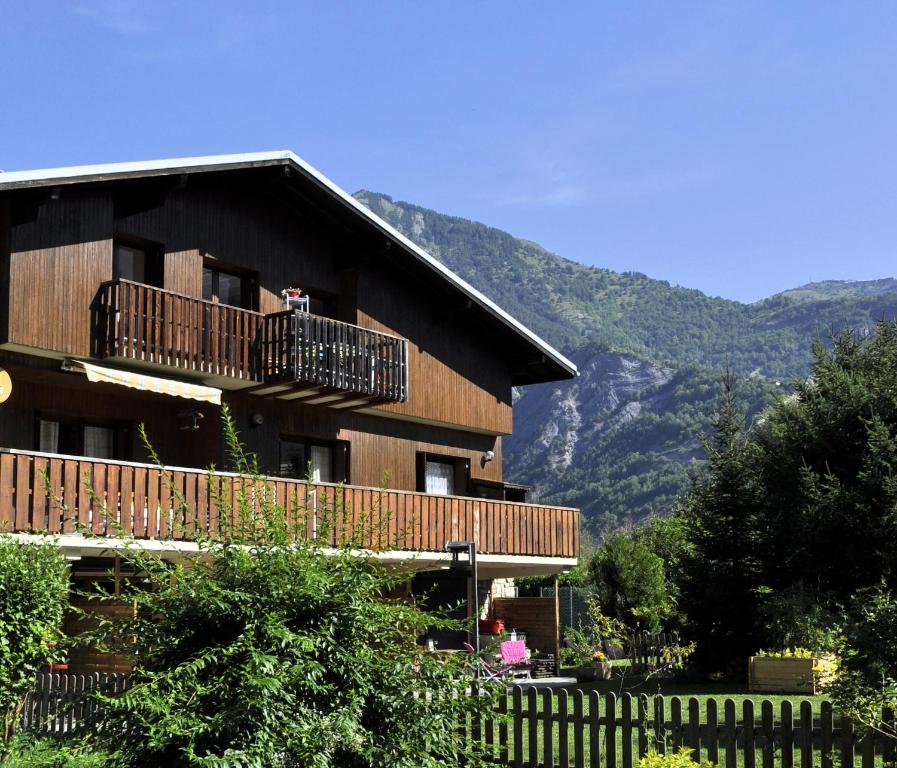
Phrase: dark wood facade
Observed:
(389, 368)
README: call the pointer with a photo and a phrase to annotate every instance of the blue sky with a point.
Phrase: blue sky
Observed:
(738, 148)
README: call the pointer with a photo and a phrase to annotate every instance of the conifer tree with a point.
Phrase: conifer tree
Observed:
(722, 573)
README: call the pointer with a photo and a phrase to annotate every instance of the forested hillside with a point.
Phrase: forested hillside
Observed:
(617, 442)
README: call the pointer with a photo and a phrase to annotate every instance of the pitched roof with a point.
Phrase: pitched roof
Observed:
(559, 366)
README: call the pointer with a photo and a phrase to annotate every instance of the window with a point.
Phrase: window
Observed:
(443, 475)
(440, 478)
(76, 438)
(138, 262)
(327, 462)
(232, 288)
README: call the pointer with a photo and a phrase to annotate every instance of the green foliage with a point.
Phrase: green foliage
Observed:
(598, 633)
(681, 759)
(867, 684)
(29, 752)
(829, 457)
(723, 572)
(33, 596)
(264, 649)
(795, 619)
(630, 581)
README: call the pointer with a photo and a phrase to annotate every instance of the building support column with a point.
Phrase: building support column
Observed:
(557, 625)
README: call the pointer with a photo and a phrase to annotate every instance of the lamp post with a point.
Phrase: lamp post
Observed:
(469, 548)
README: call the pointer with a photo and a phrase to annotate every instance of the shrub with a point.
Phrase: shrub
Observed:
(599, 633)
(631, 582)
(681, 759)
(33, 596)
(266, 649)
(867, 685)
(794, 618)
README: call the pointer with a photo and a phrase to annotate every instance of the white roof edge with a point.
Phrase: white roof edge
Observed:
(41, 177)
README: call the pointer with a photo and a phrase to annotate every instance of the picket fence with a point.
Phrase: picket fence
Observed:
(561, 729)
(647, 651)
(542, 728)
(59, 704)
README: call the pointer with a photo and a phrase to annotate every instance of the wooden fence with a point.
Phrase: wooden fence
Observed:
(60, 704)
(647, 651)
(559, 729)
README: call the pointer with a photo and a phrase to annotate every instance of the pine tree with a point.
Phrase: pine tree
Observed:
(722, 573)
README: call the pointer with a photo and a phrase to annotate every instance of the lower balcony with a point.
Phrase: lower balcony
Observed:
(63, 495)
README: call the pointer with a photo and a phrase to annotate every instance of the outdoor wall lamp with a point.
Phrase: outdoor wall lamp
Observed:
(467, 567)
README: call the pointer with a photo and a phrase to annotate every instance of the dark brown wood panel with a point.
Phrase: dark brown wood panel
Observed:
(57, 263)
(151, 325)
(458, 374)
(382, 451)
(454, 376)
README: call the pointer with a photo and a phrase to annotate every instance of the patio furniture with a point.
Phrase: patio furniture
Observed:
(514, 656)
(514, 663)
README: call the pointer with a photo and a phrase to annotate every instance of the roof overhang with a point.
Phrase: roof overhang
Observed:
(553, 364)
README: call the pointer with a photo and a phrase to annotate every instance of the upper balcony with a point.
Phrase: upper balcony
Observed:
(63, 495)
(287, 350)
(327, 356)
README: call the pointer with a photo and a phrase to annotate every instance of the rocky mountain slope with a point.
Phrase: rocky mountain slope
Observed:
(618, 441)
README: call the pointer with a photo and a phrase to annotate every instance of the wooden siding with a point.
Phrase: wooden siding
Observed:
(381, 450)
(454, 376)
(146, 502)
(45, 391)
(57, 263)
(457, 374)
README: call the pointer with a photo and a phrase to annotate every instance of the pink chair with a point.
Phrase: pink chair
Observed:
(513, 655)
(514, 663)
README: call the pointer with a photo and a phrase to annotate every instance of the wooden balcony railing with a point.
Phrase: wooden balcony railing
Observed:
(60, 494)
(140, 322)
(334, 355)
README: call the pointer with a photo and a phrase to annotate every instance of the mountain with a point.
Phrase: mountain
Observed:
(617, 442)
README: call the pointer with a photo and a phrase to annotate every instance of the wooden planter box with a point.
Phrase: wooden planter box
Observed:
(785, 674)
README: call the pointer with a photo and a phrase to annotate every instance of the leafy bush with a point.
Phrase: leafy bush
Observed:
(630, 581)
(598, 634)
(681, 759)
(267, 649)
(794, 618)
(33, 596)
(867, 684)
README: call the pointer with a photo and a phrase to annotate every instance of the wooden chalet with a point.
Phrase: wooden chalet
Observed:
(153, 292)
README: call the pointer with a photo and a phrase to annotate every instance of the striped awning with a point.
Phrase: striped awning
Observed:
(145, 383)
